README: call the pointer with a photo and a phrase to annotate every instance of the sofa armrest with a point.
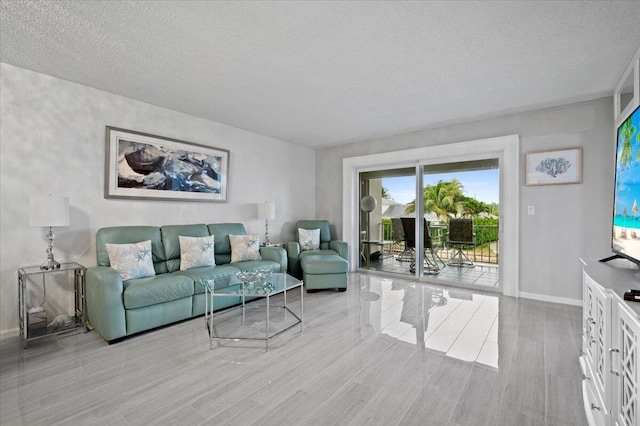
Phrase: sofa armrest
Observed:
(341, 247)
(293, 255)
(105, 302)
(277, 254)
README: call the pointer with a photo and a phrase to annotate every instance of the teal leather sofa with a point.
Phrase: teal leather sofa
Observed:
(117, 308)
(321, 269)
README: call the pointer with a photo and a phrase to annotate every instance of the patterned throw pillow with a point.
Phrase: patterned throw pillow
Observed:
(309, 239)
(244, 247)
(196, 252)
(131, 260)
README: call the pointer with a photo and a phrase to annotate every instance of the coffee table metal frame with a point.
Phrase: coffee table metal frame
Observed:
(237, 288)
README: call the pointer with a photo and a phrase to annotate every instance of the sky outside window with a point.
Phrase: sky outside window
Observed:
(483, 185)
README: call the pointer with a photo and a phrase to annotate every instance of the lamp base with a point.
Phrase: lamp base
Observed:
(50, 265)
(266, 233)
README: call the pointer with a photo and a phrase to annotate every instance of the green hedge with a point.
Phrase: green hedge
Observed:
(485, 235)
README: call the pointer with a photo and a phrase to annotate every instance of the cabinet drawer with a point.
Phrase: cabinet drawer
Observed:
(585, 368)
(594, 408)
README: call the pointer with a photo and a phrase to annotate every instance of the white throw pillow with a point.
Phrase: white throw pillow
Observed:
(196, 252)
(309, 239)
(131, 260)
(244, 247)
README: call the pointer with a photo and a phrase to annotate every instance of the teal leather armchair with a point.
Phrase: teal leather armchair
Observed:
(324, 268)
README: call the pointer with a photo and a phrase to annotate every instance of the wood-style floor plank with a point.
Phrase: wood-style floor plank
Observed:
(386, 352)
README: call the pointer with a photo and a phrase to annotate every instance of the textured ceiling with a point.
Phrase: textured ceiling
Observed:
(326, 73)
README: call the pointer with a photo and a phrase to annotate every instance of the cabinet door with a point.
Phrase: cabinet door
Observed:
(625, 403)
(597, 335)
(601, 342)
(588, 320)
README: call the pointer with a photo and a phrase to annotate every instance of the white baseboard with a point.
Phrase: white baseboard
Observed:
(13, 332)
(552, 299)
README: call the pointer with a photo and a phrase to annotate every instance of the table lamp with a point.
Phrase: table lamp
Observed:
(49, 211)
(266, 211)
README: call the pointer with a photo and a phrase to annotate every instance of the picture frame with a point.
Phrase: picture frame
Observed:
(554, 167)
(143, 166)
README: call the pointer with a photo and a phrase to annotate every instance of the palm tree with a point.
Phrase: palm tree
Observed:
(626, 133)
(386, 195)
(443, 198)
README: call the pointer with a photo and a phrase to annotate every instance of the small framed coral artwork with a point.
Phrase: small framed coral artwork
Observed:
(555, 167)
(144, 166)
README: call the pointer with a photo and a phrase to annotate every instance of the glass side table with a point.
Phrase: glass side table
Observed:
(33, 321)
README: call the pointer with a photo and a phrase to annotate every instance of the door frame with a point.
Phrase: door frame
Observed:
(505, 148)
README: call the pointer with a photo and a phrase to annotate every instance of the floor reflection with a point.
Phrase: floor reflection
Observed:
(482, 275)
(459, 323)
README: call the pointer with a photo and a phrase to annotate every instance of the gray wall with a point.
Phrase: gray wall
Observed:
(571, 221)
(52, 141)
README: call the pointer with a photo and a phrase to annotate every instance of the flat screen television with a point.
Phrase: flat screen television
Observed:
(625, 241)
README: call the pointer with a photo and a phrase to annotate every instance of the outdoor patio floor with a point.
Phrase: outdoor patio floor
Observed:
(481, 274)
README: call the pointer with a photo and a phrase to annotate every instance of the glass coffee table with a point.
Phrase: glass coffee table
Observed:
(234, 286)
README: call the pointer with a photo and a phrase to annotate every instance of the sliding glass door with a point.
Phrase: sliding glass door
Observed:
(452, 194)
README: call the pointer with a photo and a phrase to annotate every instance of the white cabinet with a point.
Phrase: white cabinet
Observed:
(625, 367)
(610, 340)
(596, 341)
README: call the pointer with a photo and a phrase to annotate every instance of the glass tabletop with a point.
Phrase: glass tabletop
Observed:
(234, 286)
(69, 266)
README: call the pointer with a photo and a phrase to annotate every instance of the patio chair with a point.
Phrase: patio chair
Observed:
(430, 257)
(460, 235)
(399, 238)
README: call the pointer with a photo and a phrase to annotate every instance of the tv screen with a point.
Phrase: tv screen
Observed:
(626, 211)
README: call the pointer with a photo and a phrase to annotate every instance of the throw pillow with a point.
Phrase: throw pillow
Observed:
(131, 260)
(244, 247)
(196, 252)
(309, 239)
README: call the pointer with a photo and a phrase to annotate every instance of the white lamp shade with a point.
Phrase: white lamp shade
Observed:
(49, 211)
(267, 211)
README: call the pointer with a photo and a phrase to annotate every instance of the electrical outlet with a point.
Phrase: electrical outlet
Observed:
(531, 210)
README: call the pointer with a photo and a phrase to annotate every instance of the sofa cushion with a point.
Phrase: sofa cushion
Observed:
(324, 264)
(244, 247)
(196, 252)
(223, 246)
(247, 265)
(131, 260)
(159, 289)
(171, 241)
(223, 259)
(200, 275)
(328, 252)
(128, 235)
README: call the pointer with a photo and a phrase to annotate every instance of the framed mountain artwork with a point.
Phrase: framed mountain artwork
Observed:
(144, 166)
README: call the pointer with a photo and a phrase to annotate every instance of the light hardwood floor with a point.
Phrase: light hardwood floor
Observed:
(386, 352)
